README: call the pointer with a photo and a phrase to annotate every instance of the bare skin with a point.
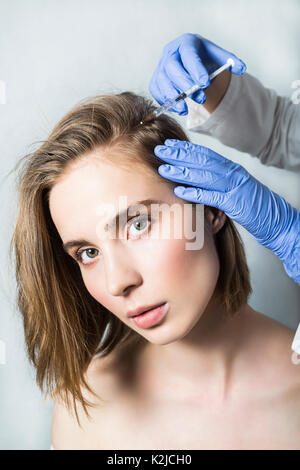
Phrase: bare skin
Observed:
(252, 403)
(216, 91)
(197, 380)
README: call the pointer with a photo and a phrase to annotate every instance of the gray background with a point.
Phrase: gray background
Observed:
(55, 53)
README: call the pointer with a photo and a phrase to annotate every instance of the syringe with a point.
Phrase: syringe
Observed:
(161, 109)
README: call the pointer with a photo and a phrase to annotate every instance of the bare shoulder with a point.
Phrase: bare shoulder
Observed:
(104, 377)
(66, 431)
(275, 364)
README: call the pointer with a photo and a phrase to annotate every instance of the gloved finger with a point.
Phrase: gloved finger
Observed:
(184, 158)
(180, 78)
(189, 154)
(154, 88)
(199, 196)
(195, 177)
(193, 64)
(161, 94)
(221, 56)
(198, 96)
(169, 91)
(197, 156)
(154, 85)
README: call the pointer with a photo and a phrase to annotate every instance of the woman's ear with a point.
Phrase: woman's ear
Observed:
(215, 219)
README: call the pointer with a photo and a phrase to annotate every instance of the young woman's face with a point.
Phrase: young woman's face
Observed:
(143, 264)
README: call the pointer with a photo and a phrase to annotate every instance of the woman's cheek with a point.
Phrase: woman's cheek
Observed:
(95, 285)
(173, 260)
(193, 273)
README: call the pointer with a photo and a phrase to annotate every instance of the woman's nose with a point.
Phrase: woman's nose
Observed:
(120, 272)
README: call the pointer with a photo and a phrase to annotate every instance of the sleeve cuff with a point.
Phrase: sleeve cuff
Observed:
(296, 341)
(200, 120)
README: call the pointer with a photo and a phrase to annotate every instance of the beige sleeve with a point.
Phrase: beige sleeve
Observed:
(254, 120)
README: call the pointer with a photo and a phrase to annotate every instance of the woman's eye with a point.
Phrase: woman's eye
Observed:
(139, 225)
(79, 255)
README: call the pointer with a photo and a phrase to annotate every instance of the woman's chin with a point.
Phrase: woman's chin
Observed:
(163, 335)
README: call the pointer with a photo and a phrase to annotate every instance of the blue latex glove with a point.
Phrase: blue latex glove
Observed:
(219, 182)
(186, 61)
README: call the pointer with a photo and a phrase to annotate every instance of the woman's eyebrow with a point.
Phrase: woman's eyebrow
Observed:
(123, 213)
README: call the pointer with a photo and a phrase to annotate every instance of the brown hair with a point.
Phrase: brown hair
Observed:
(65, 327)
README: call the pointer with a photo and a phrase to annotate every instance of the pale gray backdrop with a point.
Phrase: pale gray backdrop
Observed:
(53, 53)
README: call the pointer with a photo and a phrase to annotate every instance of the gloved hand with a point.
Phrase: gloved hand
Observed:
(186, 61)
(219, 182)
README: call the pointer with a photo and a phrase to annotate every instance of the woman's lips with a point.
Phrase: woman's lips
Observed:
(142, 309)
(151, 317)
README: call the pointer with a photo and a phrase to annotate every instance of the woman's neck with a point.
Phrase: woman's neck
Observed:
(207, 354)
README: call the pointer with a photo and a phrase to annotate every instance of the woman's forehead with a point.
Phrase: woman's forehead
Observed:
(82, 193)
(101, 179)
